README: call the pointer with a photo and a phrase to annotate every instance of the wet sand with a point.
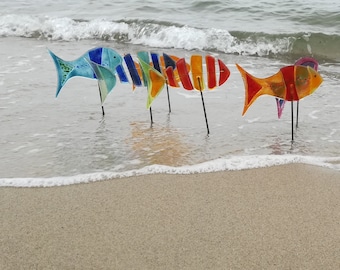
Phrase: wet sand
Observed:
(283, 217)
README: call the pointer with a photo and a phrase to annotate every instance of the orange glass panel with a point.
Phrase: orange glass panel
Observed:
(197, 72)
(157, 82)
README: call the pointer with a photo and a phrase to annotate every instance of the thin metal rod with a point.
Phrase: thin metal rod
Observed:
(297, 114)
(167, 90)
(100, 95)
(292, 110)
(151, 119)
(205, 114)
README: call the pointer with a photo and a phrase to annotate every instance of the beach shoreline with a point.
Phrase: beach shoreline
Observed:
(280, 217)
(191, 182)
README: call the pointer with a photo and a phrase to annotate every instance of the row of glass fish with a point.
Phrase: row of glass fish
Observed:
(290, 83)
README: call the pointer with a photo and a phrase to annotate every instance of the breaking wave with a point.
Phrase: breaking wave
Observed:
(161, 34)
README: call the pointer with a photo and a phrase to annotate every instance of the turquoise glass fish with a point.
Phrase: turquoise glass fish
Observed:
(84, 67)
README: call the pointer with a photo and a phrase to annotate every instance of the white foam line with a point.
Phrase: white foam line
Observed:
(222, 164)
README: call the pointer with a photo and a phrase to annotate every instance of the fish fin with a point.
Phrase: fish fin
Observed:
(106, 79)
(307, 61)
(64, 70)
(252, 86)
(155, 81)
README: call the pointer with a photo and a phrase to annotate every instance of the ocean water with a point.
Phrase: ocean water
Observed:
(47, 141)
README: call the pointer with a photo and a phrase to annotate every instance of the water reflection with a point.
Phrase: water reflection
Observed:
(158, 144)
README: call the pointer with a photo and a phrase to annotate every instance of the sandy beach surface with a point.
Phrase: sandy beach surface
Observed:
(284, 217)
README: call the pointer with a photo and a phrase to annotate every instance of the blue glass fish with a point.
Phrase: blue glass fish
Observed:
(84, 67)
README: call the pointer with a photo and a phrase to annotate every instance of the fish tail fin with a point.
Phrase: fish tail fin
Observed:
(64, 70)
(252, 86)
(106, 80)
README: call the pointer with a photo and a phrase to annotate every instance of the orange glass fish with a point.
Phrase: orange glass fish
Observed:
(290, 83)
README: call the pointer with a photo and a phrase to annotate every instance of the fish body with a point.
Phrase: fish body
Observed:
(291, 83)
(82, 67)
(304, 61)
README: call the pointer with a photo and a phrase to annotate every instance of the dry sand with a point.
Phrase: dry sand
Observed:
(284, 217)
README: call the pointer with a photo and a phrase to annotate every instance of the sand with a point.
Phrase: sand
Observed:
(284, 217)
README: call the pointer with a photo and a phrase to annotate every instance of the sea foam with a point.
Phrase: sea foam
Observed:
(222, 164)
